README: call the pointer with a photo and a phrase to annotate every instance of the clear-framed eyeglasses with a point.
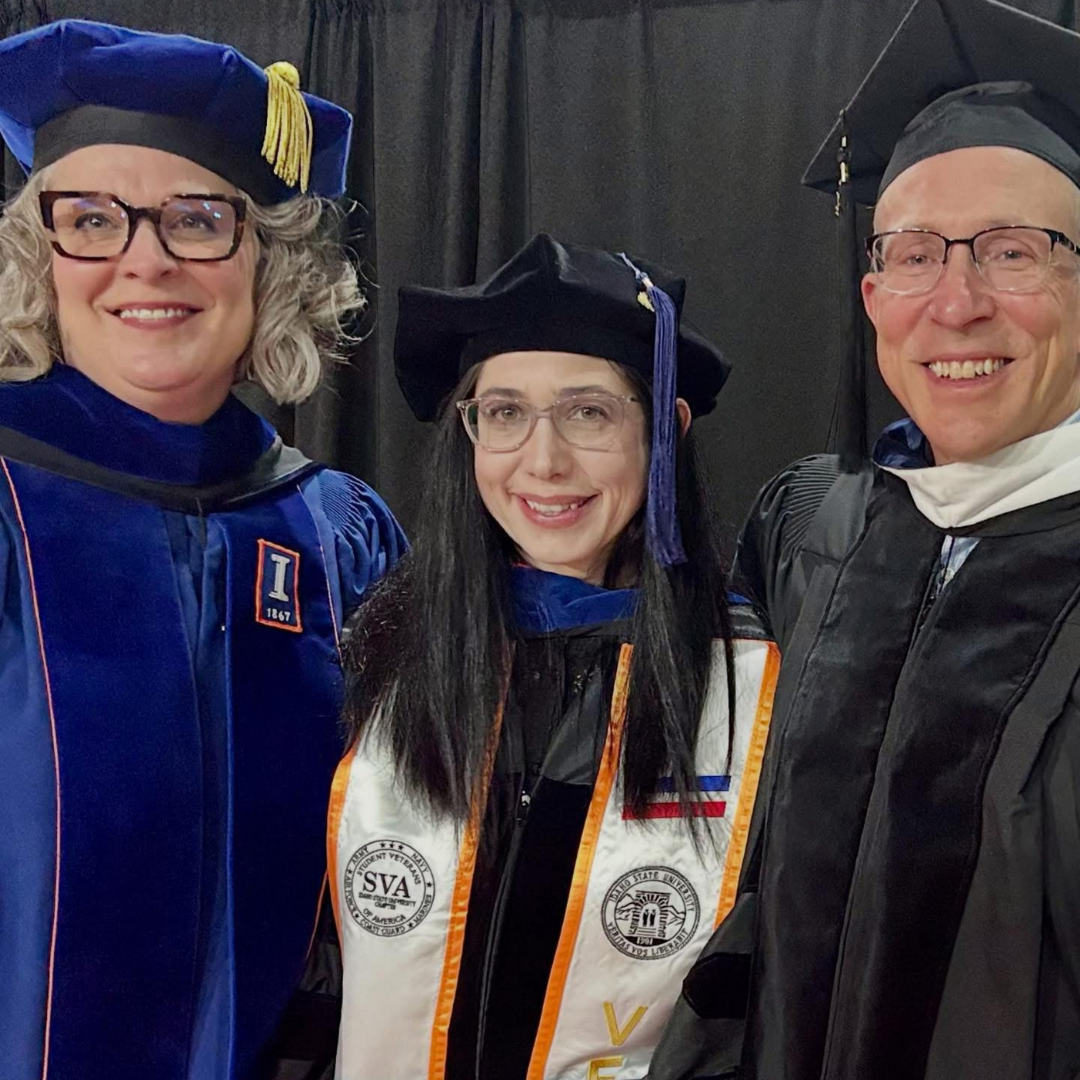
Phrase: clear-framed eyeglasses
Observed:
(589, 421)
(96, 225)
(1009, 258)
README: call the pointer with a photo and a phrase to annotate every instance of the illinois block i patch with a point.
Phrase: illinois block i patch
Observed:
(277, 583)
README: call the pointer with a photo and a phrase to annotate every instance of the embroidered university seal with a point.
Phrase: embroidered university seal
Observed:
(650, 913)
(389, 887)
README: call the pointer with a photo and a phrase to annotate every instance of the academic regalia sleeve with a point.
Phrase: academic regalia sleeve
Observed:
(1060, 1025)
(767, 559)
(305, 1044)
(363, 541)
(366, 539)
(703, 1038)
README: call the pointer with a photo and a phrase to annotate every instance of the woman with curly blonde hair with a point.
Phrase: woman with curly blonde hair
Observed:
(172, 578)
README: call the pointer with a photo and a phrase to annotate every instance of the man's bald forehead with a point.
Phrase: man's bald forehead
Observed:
(1002, 185)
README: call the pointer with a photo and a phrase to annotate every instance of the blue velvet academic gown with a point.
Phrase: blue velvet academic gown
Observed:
(169, 688)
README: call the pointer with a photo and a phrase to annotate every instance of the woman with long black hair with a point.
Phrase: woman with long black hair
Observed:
(557, 712)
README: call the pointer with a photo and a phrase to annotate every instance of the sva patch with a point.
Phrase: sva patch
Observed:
(651, 913)
(389, 887)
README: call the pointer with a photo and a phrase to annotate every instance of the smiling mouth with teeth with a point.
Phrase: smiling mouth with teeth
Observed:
(153, 314)
(967, 369)
(551, 509)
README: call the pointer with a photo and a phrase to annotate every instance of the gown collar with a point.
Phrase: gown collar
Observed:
(67, 410)
(544, 602)
(1029, 472)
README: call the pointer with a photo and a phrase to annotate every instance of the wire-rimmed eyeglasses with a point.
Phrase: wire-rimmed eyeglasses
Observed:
(589, 421)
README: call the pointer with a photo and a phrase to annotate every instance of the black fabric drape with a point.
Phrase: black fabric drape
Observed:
(676, 130)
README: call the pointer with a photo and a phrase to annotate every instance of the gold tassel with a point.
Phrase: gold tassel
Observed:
(289, 133)
(643, 297)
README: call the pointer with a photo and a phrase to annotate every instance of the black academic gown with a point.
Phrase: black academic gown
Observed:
(912, 906)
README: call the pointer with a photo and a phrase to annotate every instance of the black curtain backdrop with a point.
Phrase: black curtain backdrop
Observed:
(675, 129)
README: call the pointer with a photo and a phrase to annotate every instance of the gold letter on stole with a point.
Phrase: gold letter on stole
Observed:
(603, 1063)
(619, 1036)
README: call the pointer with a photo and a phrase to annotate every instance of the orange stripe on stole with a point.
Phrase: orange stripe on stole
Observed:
(755, 755)
(459, 910)
(560, 968)
(56, 767)
(334, 814)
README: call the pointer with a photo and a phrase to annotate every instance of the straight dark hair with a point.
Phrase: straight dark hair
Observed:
(428, 655)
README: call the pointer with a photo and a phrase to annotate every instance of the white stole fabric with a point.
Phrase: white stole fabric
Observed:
(642, 904)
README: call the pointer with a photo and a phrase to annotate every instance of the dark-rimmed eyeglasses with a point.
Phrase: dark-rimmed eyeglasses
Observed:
(96, 225)
(1009, 258)
(589, 421)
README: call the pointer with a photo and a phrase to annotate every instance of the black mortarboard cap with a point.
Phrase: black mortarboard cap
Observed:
(71, 84)
(955, 74)
(550, 297)
(562, 298)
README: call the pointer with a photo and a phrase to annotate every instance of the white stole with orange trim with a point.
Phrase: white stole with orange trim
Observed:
(642, 904)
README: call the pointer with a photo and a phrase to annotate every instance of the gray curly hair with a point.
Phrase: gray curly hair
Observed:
(305, 292)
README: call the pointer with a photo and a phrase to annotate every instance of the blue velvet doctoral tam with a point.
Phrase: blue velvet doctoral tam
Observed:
(73, 83)
(170, 688)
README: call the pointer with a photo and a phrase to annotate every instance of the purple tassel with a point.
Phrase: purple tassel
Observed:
(661, 518)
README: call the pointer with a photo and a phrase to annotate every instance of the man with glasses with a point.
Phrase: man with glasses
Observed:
(911, 905)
